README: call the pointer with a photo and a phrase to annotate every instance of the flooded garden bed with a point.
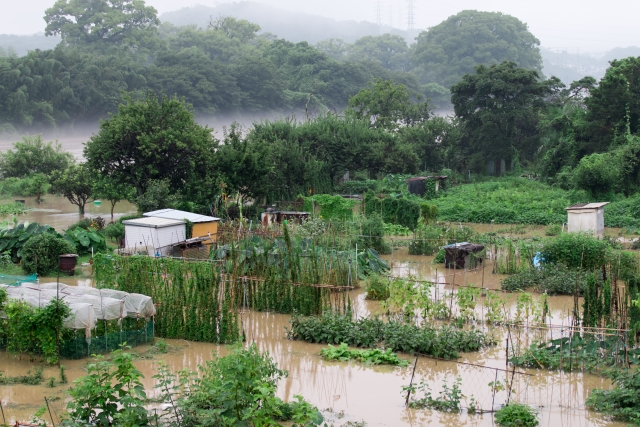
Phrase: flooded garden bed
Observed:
(256, 290)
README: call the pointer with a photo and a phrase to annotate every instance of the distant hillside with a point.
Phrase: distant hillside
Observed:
(292, 26)
(22, 44)
(569, 67)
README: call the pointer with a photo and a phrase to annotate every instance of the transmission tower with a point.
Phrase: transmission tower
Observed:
(379, 12)
(410, 16)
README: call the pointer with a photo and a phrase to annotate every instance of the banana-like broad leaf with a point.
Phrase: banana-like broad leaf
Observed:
(28, 232)
(94, 236)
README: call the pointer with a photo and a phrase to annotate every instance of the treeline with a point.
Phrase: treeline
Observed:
(508, 121)
(230, 67)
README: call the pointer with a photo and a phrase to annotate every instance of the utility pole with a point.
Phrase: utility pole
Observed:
(410, 16)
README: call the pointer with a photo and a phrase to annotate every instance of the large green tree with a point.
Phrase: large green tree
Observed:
(33, 156)
(387, 50)
(153, 138)
(614, 106)
(499, 109)
(453, 48)
(75, 183)
(387, 105)
(101, 23)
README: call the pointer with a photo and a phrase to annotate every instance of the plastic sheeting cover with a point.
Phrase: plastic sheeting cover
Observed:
(135, 305)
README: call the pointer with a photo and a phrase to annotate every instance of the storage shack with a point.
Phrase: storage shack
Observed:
(587, 217)
(418, 185)
(462, 255)
(272, 216)
(203, 225)
(155, 236)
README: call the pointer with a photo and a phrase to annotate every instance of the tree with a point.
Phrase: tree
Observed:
(101, 23)
(33, 156)
(387, 105)
(596, 175)
(157, 196)
(75, 183)
(387, 50)
(154, 138)
(112, 191)
(37, 184)
(456, 46)
(498, 108)
(614, 106)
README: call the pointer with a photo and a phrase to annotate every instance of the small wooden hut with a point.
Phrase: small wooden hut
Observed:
(461, 255)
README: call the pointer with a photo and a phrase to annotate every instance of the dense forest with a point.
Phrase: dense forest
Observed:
(230, 67)
(366, 108)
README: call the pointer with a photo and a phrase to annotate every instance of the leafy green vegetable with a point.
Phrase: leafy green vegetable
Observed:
(374, 356)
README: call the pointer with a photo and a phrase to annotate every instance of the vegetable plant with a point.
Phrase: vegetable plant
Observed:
(373, 356)
(517, 415)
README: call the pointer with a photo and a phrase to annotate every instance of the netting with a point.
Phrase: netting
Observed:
(10, 280)
(79, 346)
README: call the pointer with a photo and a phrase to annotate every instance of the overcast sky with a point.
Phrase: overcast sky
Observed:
(587, 25)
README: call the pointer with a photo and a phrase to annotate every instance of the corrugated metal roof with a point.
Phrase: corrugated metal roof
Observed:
(597, 205)
(153, 222)
(181, 215)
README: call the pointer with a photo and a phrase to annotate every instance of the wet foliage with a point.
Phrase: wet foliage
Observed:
(377, 288)
(577, 353)
(32, 377)
(448, 400)
(446, 342)
(554, 279)
(517, 415)
(374, 356)
(621, 402)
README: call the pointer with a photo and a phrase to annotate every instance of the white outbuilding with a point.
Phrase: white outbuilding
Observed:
(153, 235)
(587, 217)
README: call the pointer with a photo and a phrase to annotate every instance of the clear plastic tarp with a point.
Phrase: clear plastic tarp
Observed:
(135, 305)
(88, 305)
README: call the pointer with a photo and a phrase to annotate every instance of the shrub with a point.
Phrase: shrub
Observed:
(110, 394)
(358, 187)
(622, 401)
(41, 253)
(575, 250)
(399, 210)
(445, 342)
(240, 389)
(377, 288)
(517, 415)
(554, 279)
(331, 207)
(553, 230)
(114, 231)
(372, 235)
(440, 257)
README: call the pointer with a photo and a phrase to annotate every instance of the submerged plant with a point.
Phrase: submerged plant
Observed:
(373, 356)
(517, 415)
(448, 400)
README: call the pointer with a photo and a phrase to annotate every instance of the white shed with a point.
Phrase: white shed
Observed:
(586, 217)
(155, 235)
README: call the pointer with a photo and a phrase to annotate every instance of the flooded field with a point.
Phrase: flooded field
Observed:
(344, 391)
(59, 213)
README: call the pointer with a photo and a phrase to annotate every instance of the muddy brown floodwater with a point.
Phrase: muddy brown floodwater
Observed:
(59, 213)
(346, 391)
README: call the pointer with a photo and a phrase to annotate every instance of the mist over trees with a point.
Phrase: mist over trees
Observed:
(368, 107)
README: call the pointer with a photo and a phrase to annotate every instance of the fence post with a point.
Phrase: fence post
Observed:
(406, 402)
